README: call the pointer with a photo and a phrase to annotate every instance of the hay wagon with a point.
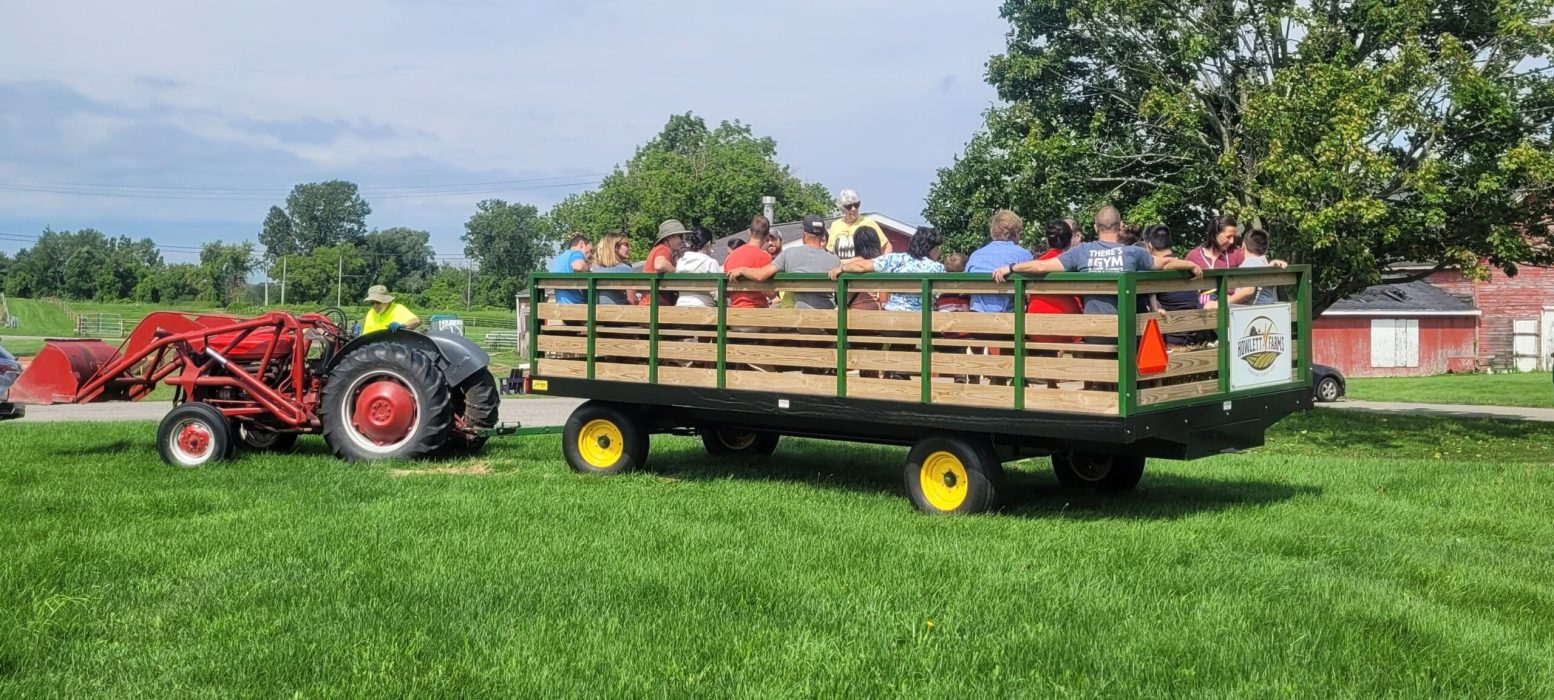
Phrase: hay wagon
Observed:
(965, 391)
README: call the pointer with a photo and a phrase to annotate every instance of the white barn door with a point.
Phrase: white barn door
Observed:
(1395, 342)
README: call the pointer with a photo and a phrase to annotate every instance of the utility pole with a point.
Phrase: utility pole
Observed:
(339, 277)
(469, 284)
(283, 280)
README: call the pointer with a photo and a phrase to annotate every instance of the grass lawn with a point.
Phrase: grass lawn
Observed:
(1357, 556)
(1534, 389)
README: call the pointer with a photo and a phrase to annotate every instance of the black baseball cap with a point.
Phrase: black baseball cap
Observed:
(815, 225)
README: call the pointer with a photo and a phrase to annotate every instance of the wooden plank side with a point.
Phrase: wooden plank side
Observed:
(1071, 368)
(1071, 401)
(908, 390)
(803, 319)
(1185, 363)
(789, 382)
(1180, 321)
(1182, 285)
(1173, 392)
(973, 395)
(757, 354)
(688, 376)
(1094, 325)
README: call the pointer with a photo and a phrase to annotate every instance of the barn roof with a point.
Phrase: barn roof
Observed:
(1418, 298)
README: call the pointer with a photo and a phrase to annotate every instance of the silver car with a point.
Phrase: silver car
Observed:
(10, 369)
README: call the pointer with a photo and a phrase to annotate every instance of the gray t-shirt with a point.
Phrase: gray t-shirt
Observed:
(610, 296)
(1105, 256)
(803, 258)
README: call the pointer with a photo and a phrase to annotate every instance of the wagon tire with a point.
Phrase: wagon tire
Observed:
(953, 475)
(1104, 473)
(604, 438)
(386, 401)
(725, 441)
(193, 435)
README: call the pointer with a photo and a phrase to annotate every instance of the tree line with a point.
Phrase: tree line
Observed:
(1358, 134)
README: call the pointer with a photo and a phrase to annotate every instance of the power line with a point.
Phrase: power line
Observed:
(243, 194)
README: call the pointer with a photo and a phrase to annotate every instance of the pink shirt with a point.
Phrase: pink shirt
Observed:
(1221, 261)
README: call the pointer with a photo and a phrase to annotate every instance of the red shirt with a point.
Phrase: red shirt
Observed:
(1221, 261)
(747, 256)
(664, 298)
(1052, 304)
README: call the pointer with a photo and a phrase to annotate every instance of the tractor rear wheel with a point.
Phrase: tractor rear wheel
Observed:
(386, 401)
(193, 435)
(476, 405)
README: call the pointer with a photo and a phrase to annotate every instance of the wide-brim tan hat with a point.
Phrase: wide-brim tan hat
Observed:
(379, 294)
(670, 227)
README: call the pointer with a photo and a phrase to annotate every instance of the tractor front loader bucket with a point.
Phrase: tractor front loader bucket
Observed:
(59, 371)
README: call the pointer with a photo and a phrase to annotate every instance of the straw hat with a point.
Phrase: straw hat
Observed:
(379, 293)
(670, 227)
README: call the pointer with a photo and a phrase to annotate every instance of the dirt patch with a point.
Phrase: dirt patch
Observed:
(481, 469)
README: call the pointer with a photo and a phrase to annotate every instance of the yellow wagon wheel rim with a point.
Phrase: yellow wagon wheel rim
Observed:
(600, 443)
(944, 482)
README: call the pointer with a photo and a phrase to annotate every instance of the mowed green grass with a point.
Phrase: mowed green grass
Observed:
(1531, 389)
(1356, 556)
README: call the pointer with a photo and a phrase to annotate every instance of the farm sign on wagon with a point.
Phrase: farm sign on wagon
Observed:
(1260, 346)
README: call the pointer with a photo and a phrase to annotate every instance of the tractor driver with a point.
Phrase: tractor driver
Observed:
(385, 314)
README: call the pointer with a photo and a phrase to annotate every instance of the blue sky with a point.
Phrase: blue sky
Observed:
(396, 94)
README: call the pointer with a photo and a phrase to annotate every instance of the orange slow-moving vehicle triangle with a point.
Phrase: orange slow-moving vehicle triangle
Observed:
(1152, 352)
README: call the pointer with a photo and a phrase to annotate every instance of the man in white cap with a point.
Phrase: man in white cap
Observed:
(385, 315)
(840, 241)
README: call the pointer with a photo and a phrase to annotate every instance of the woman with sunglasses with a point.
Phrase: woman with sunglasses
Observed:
(840, 241)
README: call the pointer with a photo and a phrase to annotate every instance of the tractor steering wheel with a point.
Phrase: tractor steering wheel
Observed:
(337, 316)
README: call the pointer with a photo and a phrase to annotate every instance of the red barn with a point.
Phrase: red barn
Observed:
(1393, 330)
(1517, 328)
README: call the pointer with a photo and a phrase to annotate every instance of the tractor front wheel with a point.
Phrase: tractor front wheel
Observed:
(386, 401)
(193, 435)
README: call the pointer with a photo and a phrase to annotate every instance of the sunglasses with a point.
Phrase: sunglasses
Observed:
(849, 206)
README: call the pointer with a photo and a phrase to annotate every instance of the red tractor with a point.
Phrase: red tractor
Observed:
(263, 381)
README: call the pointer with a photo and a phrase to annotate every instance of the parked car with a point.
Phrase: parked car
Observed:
(10, 369)
(1327, 383)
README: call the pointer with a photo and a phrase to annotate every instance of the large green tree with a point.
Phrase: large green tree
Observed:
(399, 258)
(83, 264)
(712, 177)
(508, 241)
(1359, 134)
(317, 214)
(226, 267)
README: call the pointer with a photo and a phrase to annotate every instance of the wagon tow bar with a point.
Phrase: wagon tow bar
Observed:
(516, 428)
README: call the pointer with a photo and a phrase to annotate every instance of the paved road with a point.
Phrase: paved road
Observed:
(529, 412)
(1456, 410)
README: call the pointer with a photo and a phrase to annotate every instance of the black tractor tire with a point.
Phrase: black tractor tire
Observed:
(604, 438)
(953, 475)
(261, 440)
(419, 389)
(724, 441)
(1328, 390)
(193, 435)
(478, 403)
(1105, 473)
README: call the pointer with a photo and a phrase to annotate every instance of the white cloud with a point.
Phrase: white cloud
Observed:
(868, 94)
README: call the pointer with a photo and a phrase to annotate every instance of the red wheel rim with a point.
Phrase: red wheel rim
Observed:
(194, 440)
(385, 412)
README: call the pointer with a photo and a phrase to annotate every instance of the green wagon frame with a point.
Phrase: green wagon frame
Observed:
(627, 361)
